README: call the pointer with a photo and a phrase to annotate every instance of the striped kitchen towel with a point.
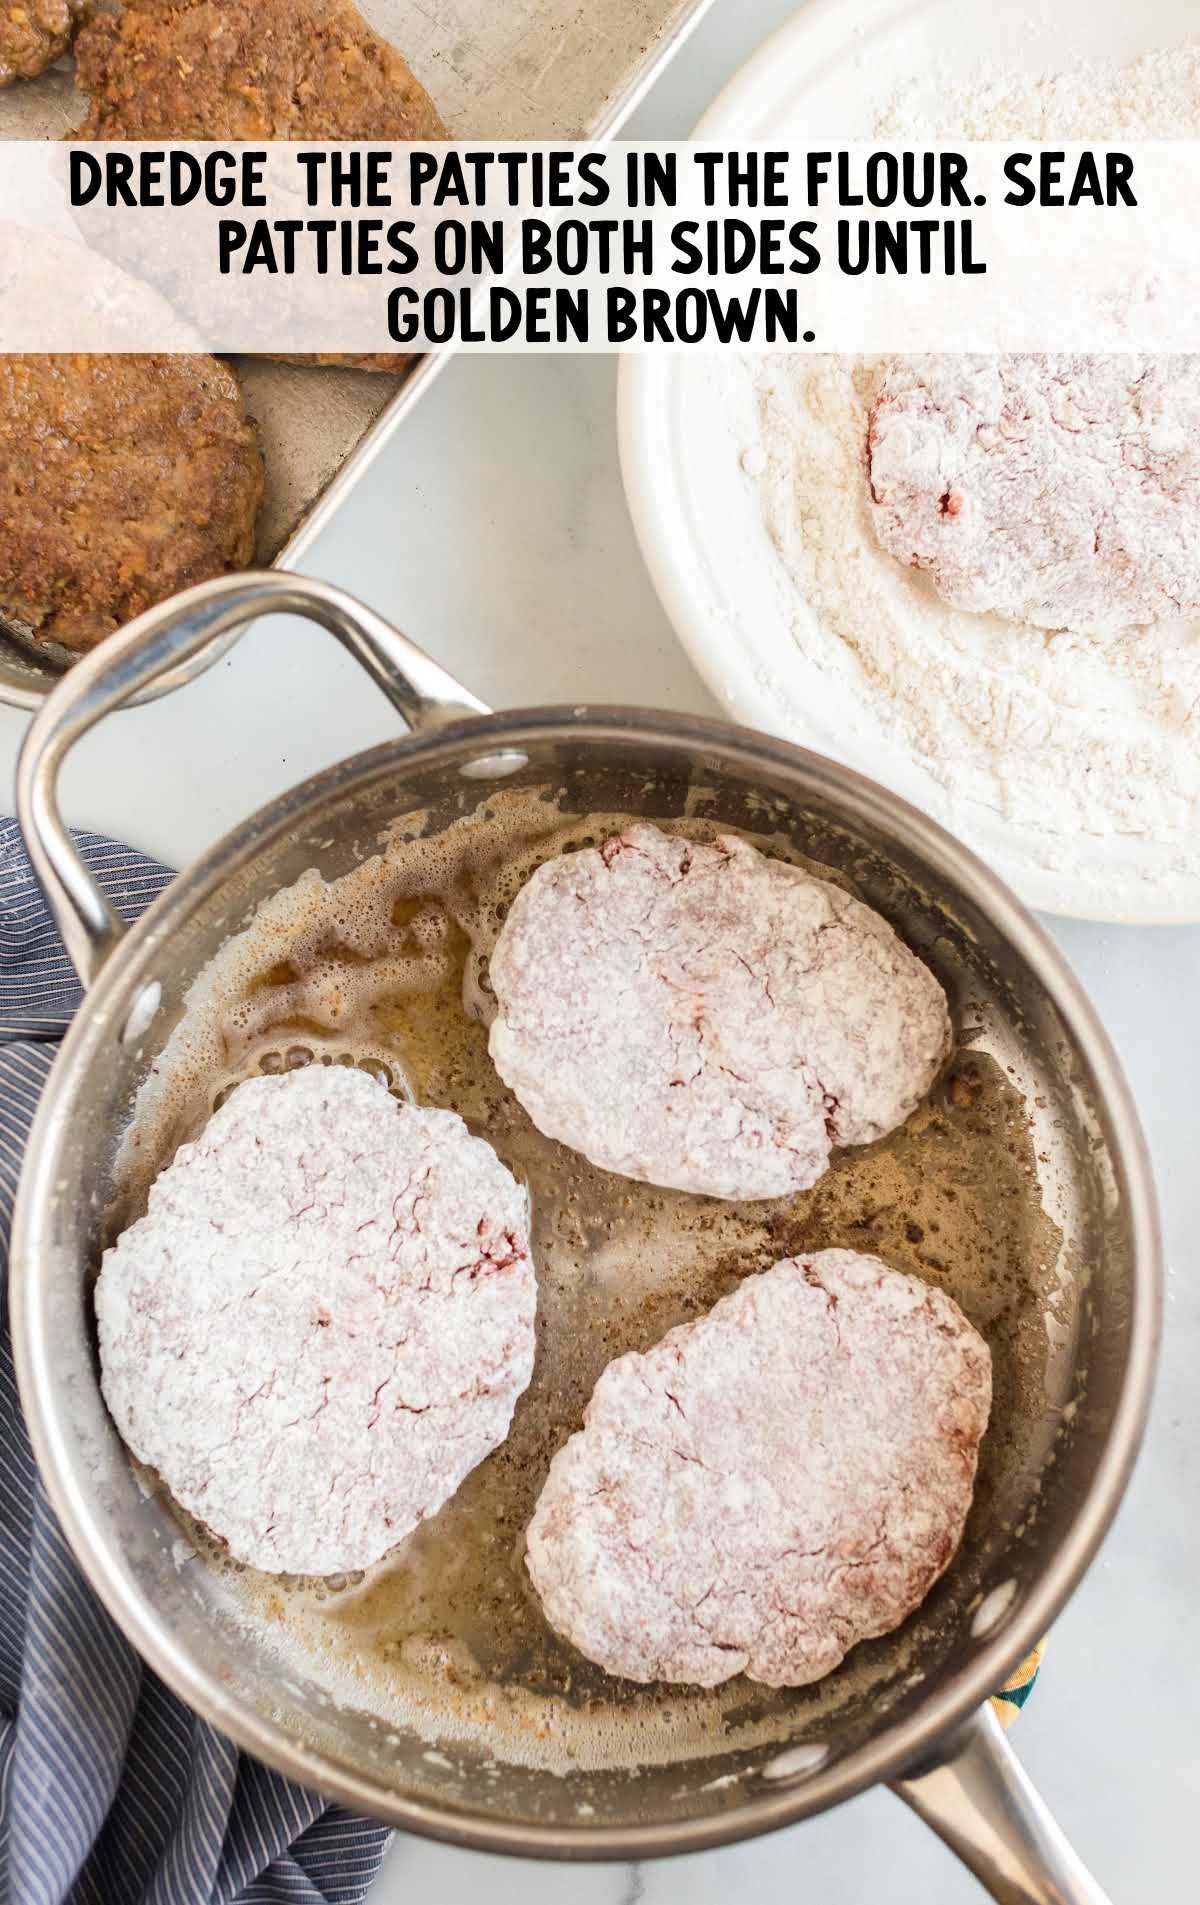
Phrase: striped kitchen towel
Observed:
(111, 1791)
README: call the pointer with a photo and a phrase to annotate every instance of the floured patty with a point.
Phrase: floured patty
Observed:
(708, 1019)
(770, 1485)
(33, 33)
(323, 1321)
(122, 479)
(1062, 491)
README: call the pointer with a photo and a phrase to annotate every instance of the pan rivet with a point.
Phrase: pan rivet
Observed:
(796, 1761)
(992, 1609)
(494, 767)
(141, 1012)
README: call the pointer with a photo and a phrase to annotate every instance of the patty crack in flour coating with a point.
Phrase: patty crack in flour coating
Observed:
(708, 1019)
(323, 1321)
(1062, 491)
(770, 1485)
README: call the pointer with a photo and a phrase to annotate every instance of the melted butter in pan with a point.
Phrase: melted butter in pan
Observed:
(387, 967)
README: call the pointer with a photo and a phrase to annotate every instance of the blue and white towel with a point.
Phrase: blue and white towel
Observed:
(111, 1791)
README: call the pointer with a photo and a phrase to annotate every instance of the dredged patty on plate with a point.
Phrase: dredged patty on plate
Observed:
(1057, 490)
(123, 478)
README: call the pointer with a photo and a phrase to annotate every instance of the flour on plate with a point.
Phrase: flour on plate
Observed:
(1060, 733)
(1154, 97)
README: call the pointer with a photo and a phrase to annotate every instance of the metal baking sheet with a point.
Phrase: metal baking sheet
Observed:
(497, 69)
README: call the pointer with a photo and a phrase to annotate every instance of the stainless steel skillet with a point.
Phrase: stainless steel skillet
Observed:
(912, 1712)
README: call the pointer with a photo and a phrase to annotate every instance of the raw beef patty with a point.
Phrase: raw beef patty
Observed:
(708, 1019)
(1062, 491)
(323, 1321)
(770, 1485)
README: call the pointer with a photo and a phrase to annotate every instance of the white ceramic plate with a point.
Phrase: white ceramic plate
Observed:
(684, 420)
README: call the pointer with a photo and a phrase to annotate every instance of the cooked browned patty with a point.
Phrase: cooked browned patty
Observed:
(32, 35)
(391, 361)
(246, 69)
(251, 69)
(122, 479)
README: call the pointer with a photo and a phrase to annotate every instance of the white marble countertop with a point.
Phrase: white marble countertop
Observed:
(494, 530)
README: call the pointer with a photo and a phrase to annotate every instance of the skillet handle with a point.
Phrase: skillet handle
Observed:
(127, 663)
(975, 1795)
